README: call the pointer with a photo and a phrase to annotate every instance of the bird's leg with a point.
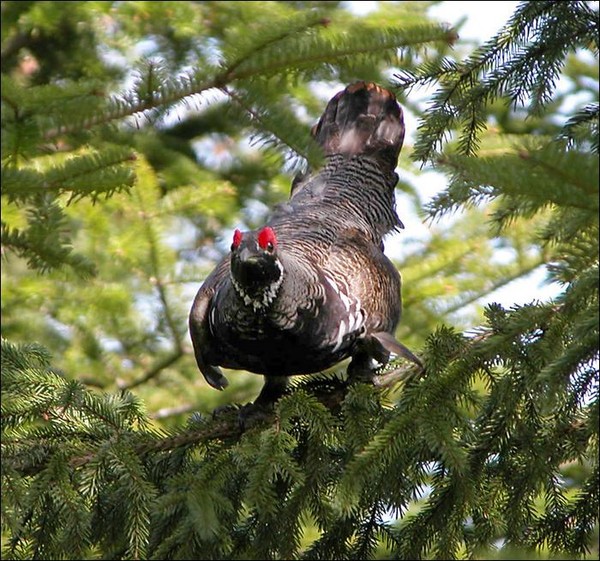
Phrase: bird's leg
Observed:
(274, 388)
(366, 361)
(374, 351)
(262, 407)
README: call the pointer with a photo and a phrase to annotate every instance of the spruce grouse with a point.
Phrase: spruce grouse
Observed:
(313, 286)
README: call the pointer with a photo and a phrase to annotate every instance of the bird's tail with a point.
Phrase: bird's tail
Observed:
(365, 119)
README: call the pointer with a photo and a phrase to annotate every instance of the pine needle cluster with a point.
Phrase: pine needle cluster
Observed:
(521, 64)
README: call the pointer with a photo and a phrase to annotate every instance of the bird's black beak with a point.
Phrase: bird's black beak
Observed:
(248, 257)
(254, 269)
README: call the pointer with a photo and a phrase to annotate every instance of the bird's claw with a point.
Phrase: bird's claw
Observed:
(248, 414)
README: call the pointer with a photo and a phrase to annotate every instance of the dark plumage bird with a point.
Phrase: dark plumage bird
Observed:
(313, 286)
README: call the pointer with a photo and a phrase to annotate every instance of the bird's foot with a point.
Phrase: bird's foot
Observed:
(223, 410)
(253, 414)
(245, 416)
(261, 410)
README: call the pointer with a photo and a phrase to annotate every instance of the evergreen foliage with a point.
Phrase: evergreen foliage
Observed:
(522, 63)
(128, 151)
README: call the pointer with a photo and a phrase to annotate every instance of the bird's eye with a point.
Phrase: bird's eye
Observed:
(270, 247)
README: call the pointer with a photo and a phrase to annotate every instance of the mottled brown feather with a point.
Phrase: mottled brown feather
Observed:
(339, 292)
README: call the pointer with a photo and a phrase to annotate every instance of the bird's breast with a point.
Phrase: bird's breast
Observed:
(285, 337)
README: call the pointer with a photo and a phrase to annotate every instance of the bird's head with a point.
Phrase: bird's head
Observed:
(256, 271)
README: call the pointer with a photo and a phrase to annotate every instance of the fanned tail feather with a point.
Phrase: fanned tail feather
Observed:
(361, 132)
(365, 119)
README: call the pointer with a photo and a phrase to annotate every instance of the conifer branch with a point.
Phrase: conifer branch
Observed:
(568, 179)
(128, 105)
(166, 412)
(496, 285)
(13, 45)
(151, 373)
(263, 39)
(523, 60)
(588, 115)
(268, 121)
(317, 50)
(43, 243)
(555, 169)
(306, 53)
(89, 174)
(223, 425)
(495, 440)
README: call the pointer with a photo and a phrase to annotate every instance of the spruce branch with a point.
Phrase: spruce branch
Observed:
(156, 368)
(473, 459)
(264, 60)
(256, 40)
(522, 61)
(317, 49)
(224, 424)
(567, 178)
(128, 104)
(586, 116)
(13, 45)
(43, 243)
(496, 440)
(104, 170)
(502, 281)
(268, 121)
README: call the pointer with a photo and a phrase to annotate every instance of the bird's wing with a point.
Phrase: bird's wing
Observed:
(200, 328)
(367, 274)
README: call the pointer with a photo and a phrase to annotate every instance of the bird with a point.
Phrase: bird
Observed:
(312, 286)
